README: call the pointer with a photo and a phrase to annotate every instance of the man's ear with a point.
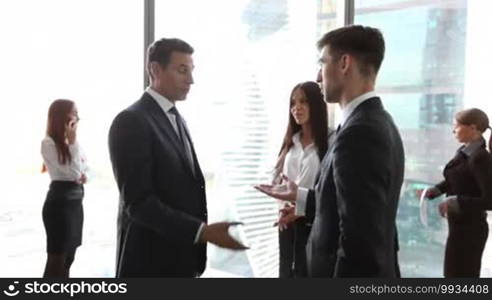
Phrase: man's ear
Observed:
(345, 62)
(154, 69)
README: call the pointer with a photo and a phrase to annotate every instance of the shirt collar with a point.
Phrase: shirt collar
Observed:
(352, 105)
(469, 149)
(296, 139)
(163, 102)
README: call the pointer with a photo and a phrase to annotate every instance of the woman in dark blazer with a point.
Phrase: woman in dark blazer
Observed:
(468, 187)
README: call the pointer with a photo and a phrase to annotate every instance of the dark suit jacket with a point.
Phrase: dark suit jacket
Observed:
(162, 203)
(356, 199)
(470, 179)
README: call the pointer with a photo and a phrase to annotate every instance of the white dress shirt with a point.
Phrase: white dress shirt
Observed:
(166, 106)
(65, 172)
(302, 192)
(352, 105)
(301, 163)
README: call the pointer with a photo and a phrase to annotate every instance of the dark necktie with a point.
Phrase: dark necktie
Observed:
(183, 137)
(338, 128)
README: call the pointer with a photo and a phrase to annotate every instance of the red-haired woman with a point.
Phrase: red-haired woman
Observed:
(62, 211)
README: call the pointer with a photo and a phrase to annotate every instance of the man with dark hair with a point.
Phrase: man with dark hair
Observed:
(356, 197)
(162, 218)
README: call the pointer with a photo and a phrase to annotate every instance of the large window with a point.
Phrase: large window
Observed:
(424, 81)
(248, 56)
(91, 52)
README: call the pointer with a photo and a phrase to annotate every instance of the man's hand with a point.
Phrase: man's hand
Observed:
(286, 217)
(218, 234)
(286, 191)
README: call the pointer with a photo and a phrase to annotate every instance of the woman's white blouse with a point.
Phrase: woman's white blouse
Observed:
(302, 164)
(66, 172)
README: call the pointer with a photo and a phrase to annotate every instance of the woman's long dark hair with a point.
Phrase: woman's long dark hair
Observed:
(318, 120)
(58, 118)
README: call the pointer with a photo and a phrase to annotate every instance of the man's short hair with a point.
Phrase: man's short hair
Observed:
(365, 43)
(160, 51)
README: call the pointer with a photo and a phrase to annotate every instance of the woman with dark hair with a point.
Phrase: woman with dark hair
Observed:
(304, 145)
(62, 211)
(468, 187)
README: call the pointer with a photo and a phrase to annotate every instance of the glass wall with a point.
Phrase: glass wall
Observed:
(91, 52)
(422, 82)
(248, 56)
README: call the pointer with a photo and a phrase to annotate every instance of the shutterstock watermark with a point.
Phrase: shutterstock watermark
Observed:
(66, 288)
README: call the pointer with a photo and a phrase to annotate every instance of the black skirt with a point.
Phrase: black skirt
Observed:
(63, 216)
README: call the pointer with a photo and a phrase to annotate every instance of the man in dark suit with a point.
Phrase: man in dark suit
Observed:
(356, 197)
(162, 218)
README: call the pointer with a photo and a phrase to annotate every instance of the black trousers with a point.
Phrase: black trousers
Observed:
(464, 248)
(292, 249)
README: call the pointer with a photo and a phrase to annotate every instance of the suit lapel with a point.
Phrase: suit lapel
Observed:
(369, 104)
(326, 163)
(325, 166)
(162, 121)
(198, 171)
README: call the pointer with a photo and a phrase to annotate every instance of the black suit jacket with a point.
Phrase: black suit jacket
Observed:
(162, 202)
(470, 179)
(356, 199)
